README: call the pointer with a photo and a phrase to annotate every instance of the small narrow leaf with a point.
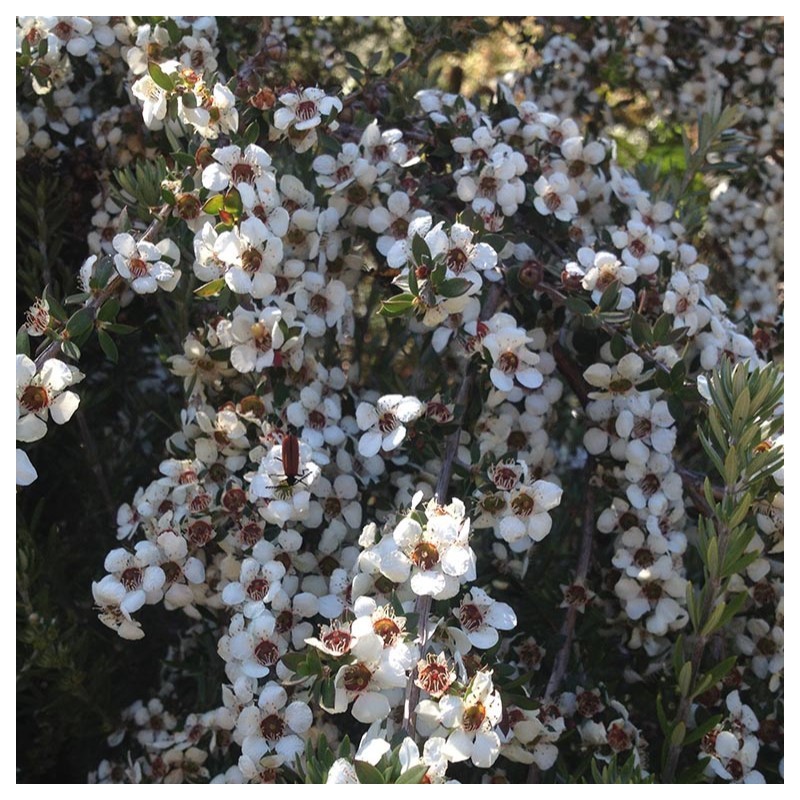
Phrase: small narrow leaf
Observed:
(397, 305)
(367, 773)
(160, 78)
(214, 205)
(210, 289)
(23, 343)
(678, 734)
(685, 679)
(414, 774)
(108, 346)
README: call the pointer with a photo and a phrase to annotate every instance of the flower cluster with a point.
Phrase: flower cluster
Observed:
(427, 366)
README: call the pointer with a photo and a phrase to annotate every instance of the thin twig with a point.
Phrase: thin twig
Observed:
(94, 462)
(581, 571)
(114, 286)
(423, 604)
(572, 372)
(567, 631)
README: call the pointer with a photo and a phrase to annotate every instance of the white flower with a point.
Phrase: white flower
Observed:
(305, 110)
(245, 170)
(528, 519)
(481, 617)
(472, 720)
(274, 725)
(153, 97)
(554, 197)
(142, 263)
(41, 394)
(511, 359)
(436, 557)
(384, 423)
(252, 254)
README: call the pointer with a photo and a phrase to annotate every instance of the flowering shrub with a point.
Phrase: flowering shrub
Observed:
(445, 411)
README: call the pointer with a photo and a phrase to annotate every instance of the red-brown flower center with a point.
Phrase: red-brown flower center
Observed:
(470, 617)
(257, 588)
(456, 259)
(387, 629)
(508, 363)
(473, 717)
(272, 728)
(425, 555)
(435, 678)
(337, 641)
(131, 578)
(252, 260)
(35, 398)
(242, 173)
(266, 653)
(522, 505)
(138, 267)
(357, 678)
(553, 201)
(200, 533)
(306, 110)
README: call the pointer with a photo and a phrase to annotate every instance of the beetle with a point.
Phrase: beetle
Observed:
(290, 456)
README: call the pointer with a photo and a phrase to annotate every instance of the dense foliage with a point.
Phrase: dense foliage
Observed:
(405, 393)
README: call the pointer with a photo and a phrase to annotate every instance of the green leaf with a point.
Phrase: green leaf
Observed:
(210, 289)
(23, 343)
(108, 346)
(103, 270)
(160, 78)
(367, 773)
(71, 350)
(252, 132)
(328, 693)
(413, 775)
(293, 660)
(233, 202)
(661, 714)
(374, 58)
(662, 328)
(397, 305)
(214, 205)
(453, 287)
(189, 100)
(640, 330)
(80, 323)
(731, 470)
(618, 346)
(702, 729)
(56, 309)
(495, 241)
(711, 559)
(714, 619)
(109, 310)
(184, 160)
(685, 679)
(420, 250)
(610, 297)
(353, 60)
(578, 306)
(691, 605)
(677, 656)
(413, 283)
(741, 409)
(678, 734)
(77, 299)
